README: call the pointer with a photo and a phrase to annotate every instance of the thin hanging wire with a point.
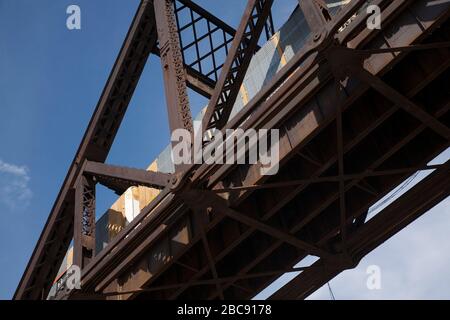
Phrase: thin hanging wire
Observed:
(331, 292)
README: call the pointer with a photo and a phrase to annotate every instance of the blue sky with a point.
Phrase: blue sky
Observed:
(50, 82)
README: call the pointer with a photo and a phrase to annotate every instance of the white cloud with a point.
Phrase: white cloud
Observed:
(14, 189)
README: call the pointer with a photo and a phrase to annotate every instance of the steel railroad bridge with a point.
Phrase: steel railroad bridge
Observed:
(358, 110)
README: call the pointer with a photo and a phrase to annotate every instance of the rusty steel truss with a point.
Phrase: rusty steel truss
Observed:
(358, 111)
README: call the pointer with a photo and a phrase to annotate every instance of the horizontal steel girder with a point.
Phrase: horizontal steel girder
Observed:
(403, 211)
(121, 178)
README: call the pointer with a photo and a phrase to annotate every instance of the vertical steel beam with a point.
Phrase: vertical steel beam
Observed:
(172, 66)
(339, 79)
(236, 64)
(201, 221)
(341, 166)
(84, 223)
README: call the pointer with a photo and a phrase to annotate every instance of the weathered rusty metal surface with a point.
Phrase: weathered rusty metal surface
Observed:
(172, 67)
(424, 196)
(120, 179)
(236, 65)
(355, 120)
(84, 221)
(56, 236)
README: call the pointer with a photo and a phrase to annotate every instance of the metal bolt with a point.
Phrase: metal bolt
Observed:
(317, 36)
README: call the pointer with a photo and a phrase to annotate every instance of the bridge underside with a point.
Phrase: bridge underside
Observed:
(239, 258)
(353, 126)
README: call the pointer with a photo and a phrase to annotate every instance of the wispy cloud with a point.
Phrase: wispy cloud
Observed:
(14, 188)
